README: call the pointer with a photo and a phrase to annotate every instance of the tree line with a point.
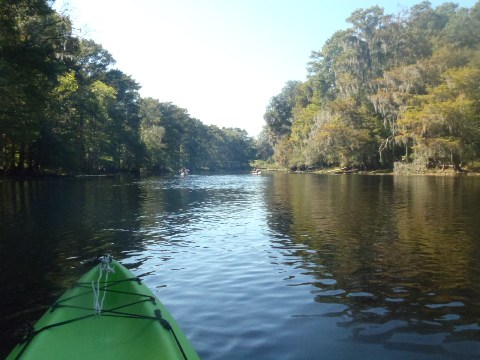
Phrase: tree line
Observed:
(65, 108)
(392, 89)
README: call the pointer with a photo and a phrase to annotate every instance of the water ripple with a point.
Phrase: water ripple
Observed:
(281, 266)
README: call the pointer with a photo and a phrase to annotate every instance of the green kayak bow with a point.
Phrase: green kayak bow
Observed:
(107, 314)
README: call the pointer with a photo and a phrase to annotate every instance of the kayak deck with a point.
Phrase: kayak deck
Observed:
(106, 315)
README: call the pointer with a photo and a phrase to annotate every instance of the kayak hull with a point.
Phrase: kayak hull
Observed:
(107, 314)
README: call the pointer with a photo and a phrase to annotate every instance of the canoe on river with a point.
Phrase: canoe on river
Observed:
(107, 314)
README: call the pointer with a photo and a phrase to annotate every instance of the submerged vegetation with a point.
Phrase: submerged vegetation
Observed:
(391, 89)
(65, 108)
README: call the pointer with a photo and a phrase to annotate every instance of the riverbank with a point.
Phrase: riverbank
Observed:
(343, 171)
(427, 172)
(52, 175)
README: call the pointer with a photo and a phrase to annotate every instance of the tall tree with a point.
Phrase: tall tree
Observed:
(263, 146)
(35, 41)
(445, 126)
(387, 88)
(279, 113)
(152, 133)
(125, 143)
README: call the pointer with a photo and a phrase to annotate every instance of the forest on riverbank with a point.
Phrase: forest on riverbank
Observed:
(65, 108)
(391, 91)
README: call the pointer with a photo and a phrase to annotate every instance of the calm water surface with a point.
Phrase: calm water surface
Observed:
(278, 266)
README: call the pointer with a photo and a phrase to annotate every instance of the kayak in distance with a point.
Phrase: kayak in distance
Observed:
(107, 314)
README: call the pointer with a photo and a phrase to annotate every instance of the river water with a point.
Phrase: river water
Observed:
(277, 266)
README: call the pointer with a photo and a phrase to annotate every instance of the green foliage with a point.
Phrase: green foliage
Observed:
(279, 114)
(445, 125)
(174, 140)
(64, 108)
(389, 88)
(263, 146)
(33, 40)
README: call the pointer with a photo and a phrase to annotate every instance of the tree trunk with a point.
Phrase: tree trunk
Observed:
(12, 156)
(21, 158)
(455, 162)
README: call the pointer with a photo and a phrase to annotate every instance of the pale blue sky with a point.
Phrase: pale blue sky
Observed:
(222, 60)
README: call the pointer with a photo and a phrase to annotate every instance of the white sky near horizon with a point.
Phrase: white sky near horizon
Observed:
(222, 60)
